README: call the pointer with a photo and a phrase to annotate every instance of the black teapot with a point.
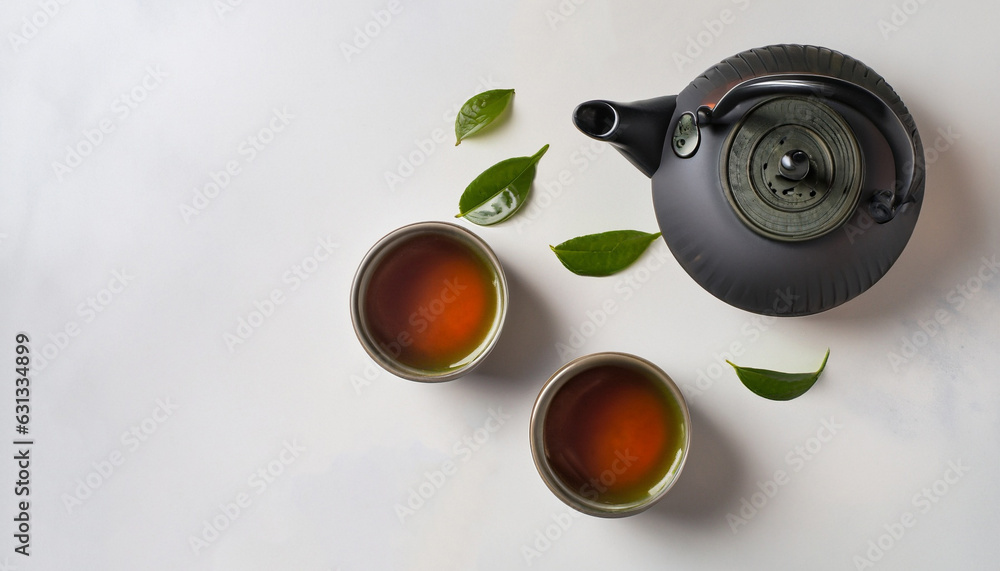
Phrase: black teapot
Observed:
(786, 179)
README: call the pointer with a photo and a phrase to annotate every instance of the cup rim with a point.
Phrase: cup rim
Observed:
(540, 410)
(362, 274)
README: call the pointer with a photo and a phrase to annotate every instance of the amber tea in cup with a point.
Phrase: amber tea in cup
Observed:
(429, 301)
(610, 433)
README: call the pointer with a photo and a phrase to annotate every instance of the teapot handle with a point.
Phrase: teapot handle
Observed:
(885, 203)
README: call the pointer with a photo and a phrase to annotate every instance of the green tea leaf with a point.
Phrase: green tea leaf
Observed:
(775, 385)
(480, 111)
(603, 254)
(499, 191)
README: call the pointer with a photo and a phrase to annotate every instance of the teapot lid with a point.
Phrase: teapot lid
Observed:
(792, 169)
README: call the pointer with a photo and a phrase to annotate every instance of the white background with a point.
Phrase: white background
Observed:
(302, 381)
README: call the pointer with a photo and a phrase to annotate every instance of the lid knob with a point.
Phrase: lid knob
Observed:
(794, 165)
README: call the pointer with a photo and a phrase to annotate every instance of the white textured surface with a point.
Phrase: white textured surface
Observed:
(214, 80)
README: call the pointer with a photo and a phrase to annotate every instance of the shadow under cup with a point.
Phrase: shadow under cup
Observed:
(610, 433)
(428, 301)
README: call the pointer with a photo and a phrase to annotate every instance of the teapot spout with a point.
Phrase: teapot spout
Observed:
(638, 130)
